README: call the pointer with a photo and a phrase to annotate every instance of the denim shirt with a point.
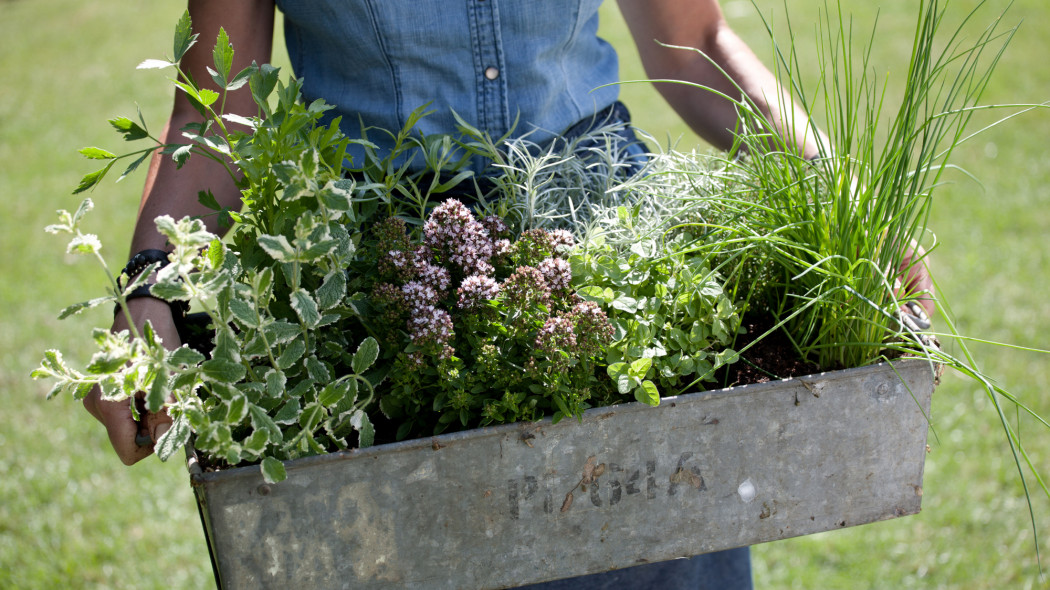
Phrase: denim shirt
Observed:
(492, 62)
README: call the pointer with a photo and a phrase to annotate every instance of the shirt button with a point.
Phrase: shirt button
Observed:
(491, 73)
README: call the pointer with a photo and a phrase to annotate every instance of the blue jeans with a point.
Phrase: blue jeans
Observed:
(722, 570)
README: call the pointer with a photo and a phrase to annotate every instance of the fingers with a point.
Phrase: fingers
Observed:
(917, 281)
(158, 423)
(120, 425)
(117, 417)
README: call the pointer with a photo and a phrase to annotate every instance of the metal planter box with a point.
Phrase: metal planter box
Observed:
(520, 503)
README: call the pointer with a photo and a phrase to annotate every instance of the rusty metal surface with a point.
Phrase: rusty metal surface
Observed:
(504, 506)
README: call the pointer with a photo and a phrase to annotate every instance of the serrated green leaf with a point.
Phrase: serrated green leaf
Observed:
(367, 353)
(90, 180)
(365, 431)
(244, 313)
(305, 306)
(277, 247)
(289, 412)
(184, 36)
(332, 290)
(262, 83)
(134, 165)
(222, 55)
(241, 78)
(174, 439)
(261, 421)
(311, 416)
(181, 154)
(282, 332)
(158, 393)
(207, 96)
(79, 307)
(317, 370)
(237, 410)
(185, 356)
(256, 443)
(223, 370)
(333, 393)
(129, 129)
(647, 393)
(273, 470)
(276, 381)
(291, 355)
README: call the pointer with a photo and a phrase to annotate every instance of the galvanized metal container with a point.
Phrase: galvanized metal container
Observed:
(509, 505)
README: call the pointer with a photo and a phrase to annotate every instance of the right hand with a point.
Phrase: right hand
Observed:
(116, 416)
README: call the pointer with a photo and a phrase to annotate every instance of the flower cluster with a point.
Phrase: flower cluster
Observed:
(453, 235)
(475, 290)
(482, 322)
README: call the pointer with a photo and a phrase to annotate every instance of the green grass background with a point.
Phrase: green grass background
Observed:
(72, 516)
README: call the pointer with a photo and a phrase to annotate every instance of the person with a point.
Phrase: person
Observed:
(492, 62)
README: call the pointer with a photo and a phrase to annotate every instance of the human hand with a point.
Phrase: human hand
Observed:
(915, 281)
(117, 416)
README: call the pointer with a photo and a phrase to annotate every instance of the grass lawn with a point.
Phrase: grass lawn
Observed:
(72, 516)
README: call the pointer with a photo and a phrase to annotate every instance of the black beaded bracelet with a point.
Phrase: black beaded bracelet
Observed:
(141, 260)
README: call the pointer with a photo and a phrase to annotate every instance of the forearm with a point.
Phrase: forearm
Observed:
(732, 70)
(174, 191)
(690, 41)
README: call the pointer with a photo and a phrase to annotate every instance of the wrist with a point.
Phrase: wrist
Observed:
(139, 263)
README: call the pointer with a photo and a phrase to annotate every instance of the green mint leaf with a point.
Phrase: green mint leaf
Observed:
(317, 370)
(273, 470)
(95, 153)
(305, 306)
(261, 421)
(647, 393)
(282, 332)
(276, 382)
(277, 247)
(79, 307)
(332, 290)
(237, 410)
(158, 393)
(289, 412)
(185, 356)
(244, 313)
(174, 439)
(223, 371)
(312, 415)
(333, 393)
(291, 355)
(366, 433)
(367, 353)
(184, 36)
